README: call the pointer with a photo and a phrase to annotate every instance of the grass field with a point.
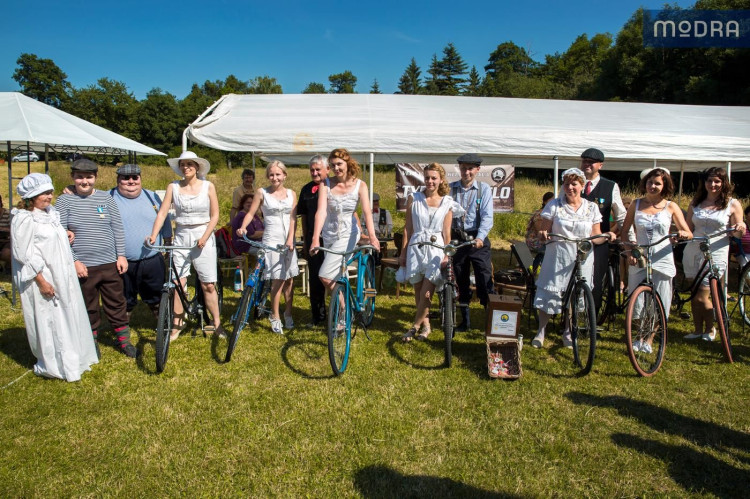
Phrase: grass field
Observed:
(274, 422)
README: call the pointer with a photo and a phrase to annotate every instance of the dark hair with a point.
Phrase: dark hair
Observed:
(244, 198)
(248, 171)
(726, 187)
(547, 196)
(667, 191)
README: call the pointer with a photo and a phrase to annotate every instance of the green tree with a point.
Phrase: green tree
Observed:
(432, 82)
(108, 104)
(509, 58)
(473, 86)
(410, 82)
(264, 85)
(314, 88)
(375, 89)
(232, 85)
(42, 79)
(577, 68)
(452, 71)
(342, 83)
(159, 120)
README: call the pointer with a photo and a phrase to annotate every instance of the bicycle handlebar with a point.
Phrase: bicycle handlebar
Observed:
(711, 236)
(449, 249)
(344, 253)
(279, 248)
(668, 236)
(574, 240)
(165, 247)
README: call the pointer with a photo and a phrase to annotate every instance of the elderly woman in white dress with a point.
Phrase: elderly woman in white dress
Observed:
(57, 324)
(572, 216)
(711, 210)
(428, 214)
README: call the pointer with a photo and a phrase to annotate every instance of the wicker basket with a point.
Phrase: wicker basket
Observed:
(503, 359)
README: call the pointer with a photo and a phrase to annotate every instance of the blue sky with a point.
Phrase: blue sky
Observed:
(172, 45)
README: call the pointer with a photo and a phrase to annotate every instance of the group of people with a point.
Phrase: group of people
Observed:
(588, 202)
(98, 238)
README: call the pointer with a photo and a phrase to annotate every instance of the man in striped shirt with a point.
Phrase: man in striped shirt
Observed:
(98, 250)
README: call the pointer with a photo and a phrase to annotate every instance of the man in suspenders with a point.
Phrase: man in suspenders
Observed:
(606, 194)
(476, 199)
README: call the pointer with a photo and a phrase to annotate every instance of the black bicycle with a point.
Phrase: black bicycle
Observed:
(448, 293)
(613, 295)
(579, 311)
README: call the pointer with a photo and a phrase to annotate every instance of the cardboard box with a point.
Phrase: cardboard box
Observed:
(503, 317)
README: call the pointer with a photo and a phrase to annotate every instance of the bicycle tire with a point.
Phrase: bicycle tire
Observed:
(339, 340)
(448, 306)
(720, 317)
(608, 297)
(651, 330)
(259, 303)
(368, 281)
(583, 327)
(743, 293)
(239, 321)
(164, 328)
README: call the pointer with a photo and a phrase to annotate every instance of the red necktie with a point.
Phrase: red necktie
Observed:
(588, 188)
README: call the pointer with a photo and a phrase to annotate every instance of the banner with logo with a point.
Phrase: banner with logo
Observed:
(500, 178)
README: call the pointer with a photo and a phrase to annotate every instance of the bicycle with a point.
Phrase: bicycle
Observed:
(647, 345)
(193, 308)
(347, 304)
(448, 293)
(579, 312)
(613, 296)
(253, 302)
(721, 318)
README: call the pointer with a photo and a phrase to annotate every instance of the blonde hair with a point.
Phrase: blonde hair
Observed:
(278, 164)
(353, 169)
(443, 188)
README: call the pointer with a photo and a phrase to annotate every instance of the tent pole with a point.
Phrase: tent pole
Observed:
(682, 176)
(46, 159)
(184, 140)
(10, 205)
(372, 177)
(557, 168)
(729, 173)
(726, 281)
(252, 157)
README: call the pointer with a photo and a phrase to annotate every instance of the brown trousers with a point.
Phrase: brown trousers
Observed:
(104, 281)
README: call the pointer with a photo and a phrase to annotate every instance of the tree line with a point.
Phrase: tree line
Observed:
(600, 67)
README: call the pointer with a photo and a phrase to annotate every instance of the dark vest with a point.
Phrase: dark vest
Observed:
(602, 196)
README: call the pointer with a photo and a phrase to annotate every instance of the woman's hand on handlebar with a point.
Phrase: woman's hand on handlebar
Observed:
(543, 236)
(740, 228)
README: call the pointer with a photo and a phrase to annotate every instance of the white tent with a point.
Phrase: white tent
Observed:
(524, 132)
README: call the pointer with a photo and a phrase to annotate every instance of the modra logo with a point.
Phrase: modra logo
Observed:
(696, 28)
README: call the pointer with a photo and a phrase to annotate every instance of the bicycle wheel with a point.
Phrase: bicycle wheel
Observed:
(743, 293)
(583, 326)
(368, 282)
(448, 306)
(645, 330)
(339, 330)
(239, 321)
(259, 304)
(164, 328)
(720, 316)
(608, 296)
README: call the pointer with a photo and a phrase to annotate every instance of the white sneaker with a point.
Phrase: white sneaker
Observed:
(567, 339)
(276, 325)
(646, 348)
(693, 336)
(538, 341)
(709, 336)
(288, 322)
(637, 346)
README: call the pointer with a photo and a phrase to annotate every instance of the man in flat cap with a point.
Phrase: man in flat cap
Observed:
(476, 199)
(606, 194)
(138, 209)
(98, 250)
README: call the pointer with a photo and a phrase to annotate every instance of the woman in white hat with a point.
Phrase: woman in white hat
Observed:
(197, 213)
(572, 216)
(57, 324)
(652, 217)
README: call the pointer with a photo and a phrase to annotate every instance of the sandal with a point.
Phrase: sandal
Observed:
(424, 333)
(178, 325)
(409, 335)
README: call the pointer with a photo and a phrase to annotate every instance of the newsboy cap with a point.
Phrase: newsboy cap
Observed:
(469, 159)
(592, 153)
(129, 170)
(84, 165)
(375, 196)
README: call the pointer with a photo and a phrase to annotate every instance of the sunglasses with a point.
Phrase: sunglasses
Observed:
(129, 177)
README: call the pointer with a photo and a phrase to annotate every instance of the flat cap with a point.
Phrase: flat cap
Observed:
(84, 165)
(592, 153)
(375, 196)
(469, 159)
(129, 170)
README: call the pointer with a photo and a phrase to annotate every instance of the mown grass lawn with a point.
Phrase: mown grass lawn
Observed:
(275, 422)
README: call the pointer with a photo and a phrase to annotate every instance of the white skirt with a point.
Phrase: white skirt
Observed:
(203, 259)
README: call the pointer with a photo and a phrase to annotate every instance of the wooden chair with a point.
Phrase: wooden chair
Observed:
(387, 262)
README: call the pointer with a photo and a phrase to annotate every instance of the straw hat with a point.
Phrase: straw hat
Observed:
(203, 165)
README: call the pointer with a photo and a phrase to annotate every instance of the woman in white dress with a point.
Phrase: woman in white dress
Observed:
(652, 217)
(57, 324)
(197, 213)
(279, 207)
(711, 210)
(428, 214)
(334, 219)
(572, 216)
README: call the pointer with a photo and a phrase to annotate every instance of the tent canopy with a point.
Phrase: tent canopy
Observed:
(524, 132)
(23, 119)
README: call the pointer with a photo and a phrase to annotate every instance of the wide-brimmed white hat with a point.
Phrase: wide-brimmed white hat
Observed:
(34, 184)
(203, 165)
(650, 169)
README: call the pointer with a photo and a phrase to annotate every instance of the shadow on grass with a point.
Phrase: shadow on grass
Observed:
(471, 354)
(301, 356)
(15, 344)
(665, 421)
(378, 481)
(693, 470)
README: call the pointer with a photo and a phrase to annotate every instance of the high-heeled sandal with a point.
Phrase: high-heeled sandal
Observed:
(409, 335)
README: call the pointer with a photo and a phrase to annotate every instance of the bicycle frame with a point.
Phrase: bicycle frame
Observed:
(355, 299)
(191, 307)
(256, 276)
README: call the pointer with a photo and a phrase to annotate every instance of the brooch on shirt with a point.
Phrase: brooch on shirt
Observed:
(101, 209)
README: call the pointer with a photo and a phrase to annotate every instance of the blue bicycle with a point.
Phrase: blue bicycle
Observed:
(348, 304)
(253, 303)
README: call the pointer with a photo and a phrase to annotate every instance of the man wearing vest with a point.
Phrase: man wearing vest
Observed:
(476, 199)
(606, 194)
